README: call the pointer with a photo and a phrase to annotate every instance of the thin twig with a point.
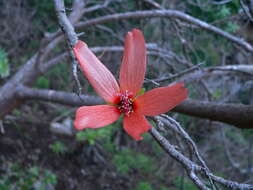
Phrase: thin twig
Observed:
(177, 127)
(2, 131)
(171, 77)
(167, 14)
(193, 168)
(221, 2)
(246, 10)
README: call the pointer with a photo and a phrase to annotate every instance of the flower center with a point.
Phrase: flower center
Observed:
(125, 104)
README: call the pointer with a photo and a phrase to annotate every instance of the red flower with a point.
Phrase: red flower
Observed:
(124, 98)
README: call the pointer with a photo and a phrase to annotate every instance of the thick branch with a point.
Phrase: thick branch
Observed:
(234, 114)
(66, 98)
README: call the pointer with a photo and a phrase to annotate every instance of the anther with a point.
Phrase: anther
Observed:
(126, 103)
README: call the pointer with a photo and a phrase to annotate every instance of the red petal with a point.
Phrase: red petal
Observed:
(95, 116)
(161, 100)
(135, 125)
(98, 75)
(133, 66)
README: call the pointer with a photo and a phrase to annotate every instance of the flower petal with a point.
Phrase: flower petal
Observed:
(95, 116)
(135, 125)
(133, 66)
(98, 75)
(161, 100)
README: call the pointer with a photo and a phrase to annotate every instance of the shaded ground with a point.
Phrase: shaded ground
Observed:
(27, 153)
(28, 144)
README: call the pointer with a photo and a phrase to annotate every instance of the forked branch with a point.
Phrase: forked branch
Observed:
(194, 170)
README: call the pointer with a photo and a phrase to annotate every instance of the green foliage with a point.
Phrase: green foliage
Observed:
(126, 160)
(92, 135)
(224, 12)
(217, 94)
(213, 13)
(42, 82)
(186, 184)
(17, 177)
(144, 186)
(247, 134)
(103, 135)
(164, 188)
(57, 78)
(45, 13)
(4, 64)
(210, 12)
(232, 27)
(141, 92)
(16, 112)
(158, 151)
(58, 147)
(205, 48)
(59, 75)
(50, 178)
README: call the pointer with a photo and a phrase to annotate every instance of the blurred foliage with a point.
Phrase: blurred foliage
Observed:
(210, 12)
(16, 112)
(57, 78)
(17, 177)
(127, 160)
(219, 15)
(58, 147)
(144, 186)
(45, 13)
(4, 64)
(217, 94)
(164, 188)
(42, 82)
(92, 135)
(184, 183)
(248, 134)
(103, 134)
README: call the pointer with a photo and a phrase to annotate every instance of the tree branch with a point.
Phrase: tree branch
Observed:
(66, 98)
(64, 23)
(238, 115)
(162, 13)
(227, 113)
(28, 73)
(71, 36)
(192, 168)
(167, 14)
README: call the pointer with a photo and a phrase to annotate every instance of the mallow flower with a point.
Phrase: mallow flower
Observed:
(124, 97)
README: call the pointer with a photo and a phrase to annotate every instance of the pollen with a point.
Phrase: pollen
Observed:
(125, 104)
